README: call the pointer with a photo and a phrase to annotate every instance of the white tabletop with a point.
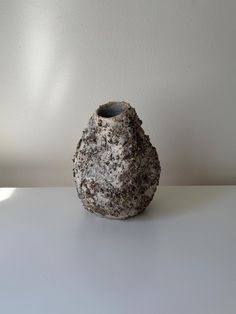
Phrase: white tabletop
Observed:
(177, 257)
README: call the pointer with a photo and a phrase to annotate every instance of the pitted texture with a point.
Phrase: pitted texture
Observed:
(116, 169)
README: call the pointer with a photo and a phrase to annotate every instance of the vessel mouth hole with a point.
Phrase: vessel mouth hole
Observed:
(111, 109)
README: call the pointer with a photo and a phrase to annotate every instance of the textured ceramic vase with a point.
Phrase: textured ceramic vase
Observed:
(116, 169)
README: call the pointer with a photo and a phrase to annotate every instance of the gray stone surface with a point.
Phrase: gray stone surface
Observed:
(116, 169)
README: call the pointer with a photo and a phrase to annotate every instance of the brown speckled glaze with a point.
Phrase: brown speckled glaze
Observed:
(116, 169)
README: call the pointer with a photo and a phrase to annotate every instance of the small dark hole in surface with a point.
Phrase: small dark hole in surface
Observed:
(111, 109)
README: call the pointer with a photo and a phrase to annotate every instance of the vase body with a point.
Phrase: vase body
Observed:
(116, 169)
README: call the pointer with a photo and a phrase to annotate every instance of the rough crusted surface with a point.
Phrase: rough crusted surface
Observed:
(116, 169)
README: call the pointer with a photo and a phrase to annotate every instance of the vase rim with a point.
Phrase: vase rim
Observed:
(112, 109)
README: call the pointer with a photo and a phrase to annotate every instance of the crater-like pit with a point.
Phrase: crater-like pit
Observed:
(111, 109)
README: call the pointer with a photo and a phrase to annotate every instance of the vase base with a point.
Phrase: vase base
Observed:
(112, 217)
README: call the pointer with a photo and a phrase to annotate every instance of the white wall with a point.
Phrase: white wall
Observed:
(174, 60)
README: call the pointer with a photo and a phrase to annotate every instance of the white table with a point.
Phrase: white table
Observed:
(177, 257)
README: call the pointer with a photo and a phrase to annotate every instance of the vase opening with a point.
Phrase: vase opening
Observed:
(111, 109)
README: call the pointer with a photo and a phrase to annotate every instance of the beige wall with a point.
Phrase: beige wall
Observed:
(175, 61)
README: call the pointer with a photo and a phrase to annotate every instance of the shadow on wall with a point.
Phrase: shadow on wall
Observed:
(188, 147)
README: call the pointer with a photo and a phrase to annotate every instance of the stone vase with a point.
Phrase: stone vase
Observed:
(116, 169)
